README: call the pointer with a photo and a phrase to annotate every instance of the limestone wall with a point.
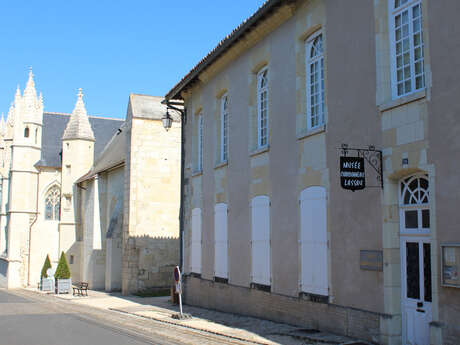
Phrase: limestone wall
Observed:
(152, 196)
(45, 233)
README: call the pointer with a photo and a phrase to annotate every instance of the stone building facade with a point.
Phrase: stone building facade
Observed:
(132, 244)
(268, 229)
(66, 187)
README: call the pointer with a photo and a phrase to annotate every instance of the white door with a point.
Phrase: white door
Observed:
(261, 240)
(220, 241)
(416, 290)
(416, 282)
(313, 241)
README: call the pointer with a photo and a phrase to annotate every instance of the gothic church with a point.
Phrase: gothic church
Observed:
(67, 185)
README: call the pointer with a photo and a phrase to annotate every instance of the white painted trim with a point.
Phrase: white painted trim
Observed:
(308, 45)
(313, 239)
(196, 241)
(259, 92)
(221, 254)
(223, 140)
(199, 163)
(392, 12)
(260, 240)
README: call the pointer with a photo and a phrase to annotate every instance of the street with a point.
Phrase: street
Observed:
(29, 318)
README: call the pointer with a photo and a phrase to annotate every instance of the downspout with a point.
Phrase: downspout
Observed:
(30, 229)
(181, 209)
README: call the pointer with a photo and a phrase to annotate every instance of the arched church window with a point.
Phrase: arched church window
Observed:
(53, 204)
(26, 132)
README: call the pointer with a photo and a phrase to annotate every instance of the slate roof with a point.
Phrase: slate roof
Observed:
(149, 107)
(54, 125)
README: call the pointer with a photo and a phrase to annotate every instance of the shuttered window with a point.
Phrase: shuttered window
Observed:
(261, 240)
(220, 241)
(313, 241)
(195, 255)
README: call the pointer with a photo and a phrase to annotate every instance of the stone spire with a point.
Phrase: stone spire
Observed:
(10, 116)
(2, 126)
(30, 94)
(78, 126)
(17, 97)
(32, 105)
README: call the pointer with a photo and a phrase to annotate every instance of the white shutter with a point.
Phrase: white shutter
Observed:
(313, 241)
(195, 257)
(261, 240)
(220, 241)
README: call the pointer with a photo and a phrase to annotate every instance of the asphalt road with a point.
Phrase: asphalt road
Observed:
(29, 318)
(24, 321)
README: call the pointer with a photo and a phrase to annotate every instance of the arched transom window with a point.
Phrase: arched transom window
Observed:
(315, 82)
(414, 203)
(53, 204)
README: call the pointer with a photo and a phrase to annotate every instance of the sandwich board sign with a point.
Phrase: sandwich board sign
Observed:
(352, 175)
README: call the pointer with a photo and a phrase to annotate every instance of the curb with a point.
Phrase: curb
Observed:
(190, 327)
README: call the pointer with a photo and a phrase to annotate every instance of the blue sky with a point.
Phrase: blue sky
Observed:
(108, 48)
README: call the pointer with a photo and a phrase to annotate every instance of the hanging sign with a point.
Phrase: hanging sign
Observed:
(352, 176)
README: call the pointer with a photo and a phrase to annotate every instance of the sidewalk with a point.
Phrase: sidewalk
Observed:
(238, 327)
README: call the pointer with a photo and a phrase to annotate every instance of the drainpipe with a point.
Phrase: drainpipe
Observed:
(181, 210)
(30, 229)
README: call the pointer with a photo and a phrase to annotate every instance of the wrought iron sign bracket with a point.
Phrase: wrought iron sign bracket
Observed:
(372, 156)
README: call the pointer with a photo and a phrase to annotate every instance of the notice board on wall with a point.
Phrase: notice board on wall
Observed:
(450, 264)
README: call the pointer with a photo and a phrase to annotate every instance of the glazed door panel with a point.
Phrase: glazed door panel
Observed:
(416, 290)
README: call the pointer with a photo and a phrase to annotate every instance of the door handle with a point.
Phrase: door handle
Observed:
(420, 310)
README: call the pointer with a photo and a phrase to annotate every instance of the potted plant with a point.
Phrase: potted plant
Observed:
(46, 282)
(62, 276)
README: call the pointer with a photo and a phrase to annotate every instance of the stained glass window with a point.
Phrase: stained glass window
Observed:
(53, 204)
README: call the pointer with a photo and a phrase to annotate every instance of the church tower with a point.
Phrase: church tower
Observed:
(23, 136)
(77, 159)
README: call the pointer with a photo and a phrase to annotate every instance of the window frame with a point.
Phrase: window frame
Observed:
(55, 216)
(393, 12)
(224, 116)
(260, 91)
(308, 62)
(418, 207)
(199, 162)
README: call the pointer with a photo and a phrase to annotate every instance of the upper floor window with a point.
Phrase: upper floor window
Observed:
(315, 81)
(199, 163)
(262, 108)
(53, 204)
(224, 128)
(406, 41)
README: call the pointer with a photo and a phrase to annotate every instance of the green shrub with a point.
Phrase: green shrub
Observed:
(46, 265)
(62, 270)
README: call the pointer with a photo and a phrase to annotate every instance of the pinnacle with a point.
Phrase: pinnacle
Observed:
(78, 126)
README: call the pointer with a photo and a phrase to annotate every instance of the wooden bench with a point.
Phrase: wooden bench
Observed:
(78, 288)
